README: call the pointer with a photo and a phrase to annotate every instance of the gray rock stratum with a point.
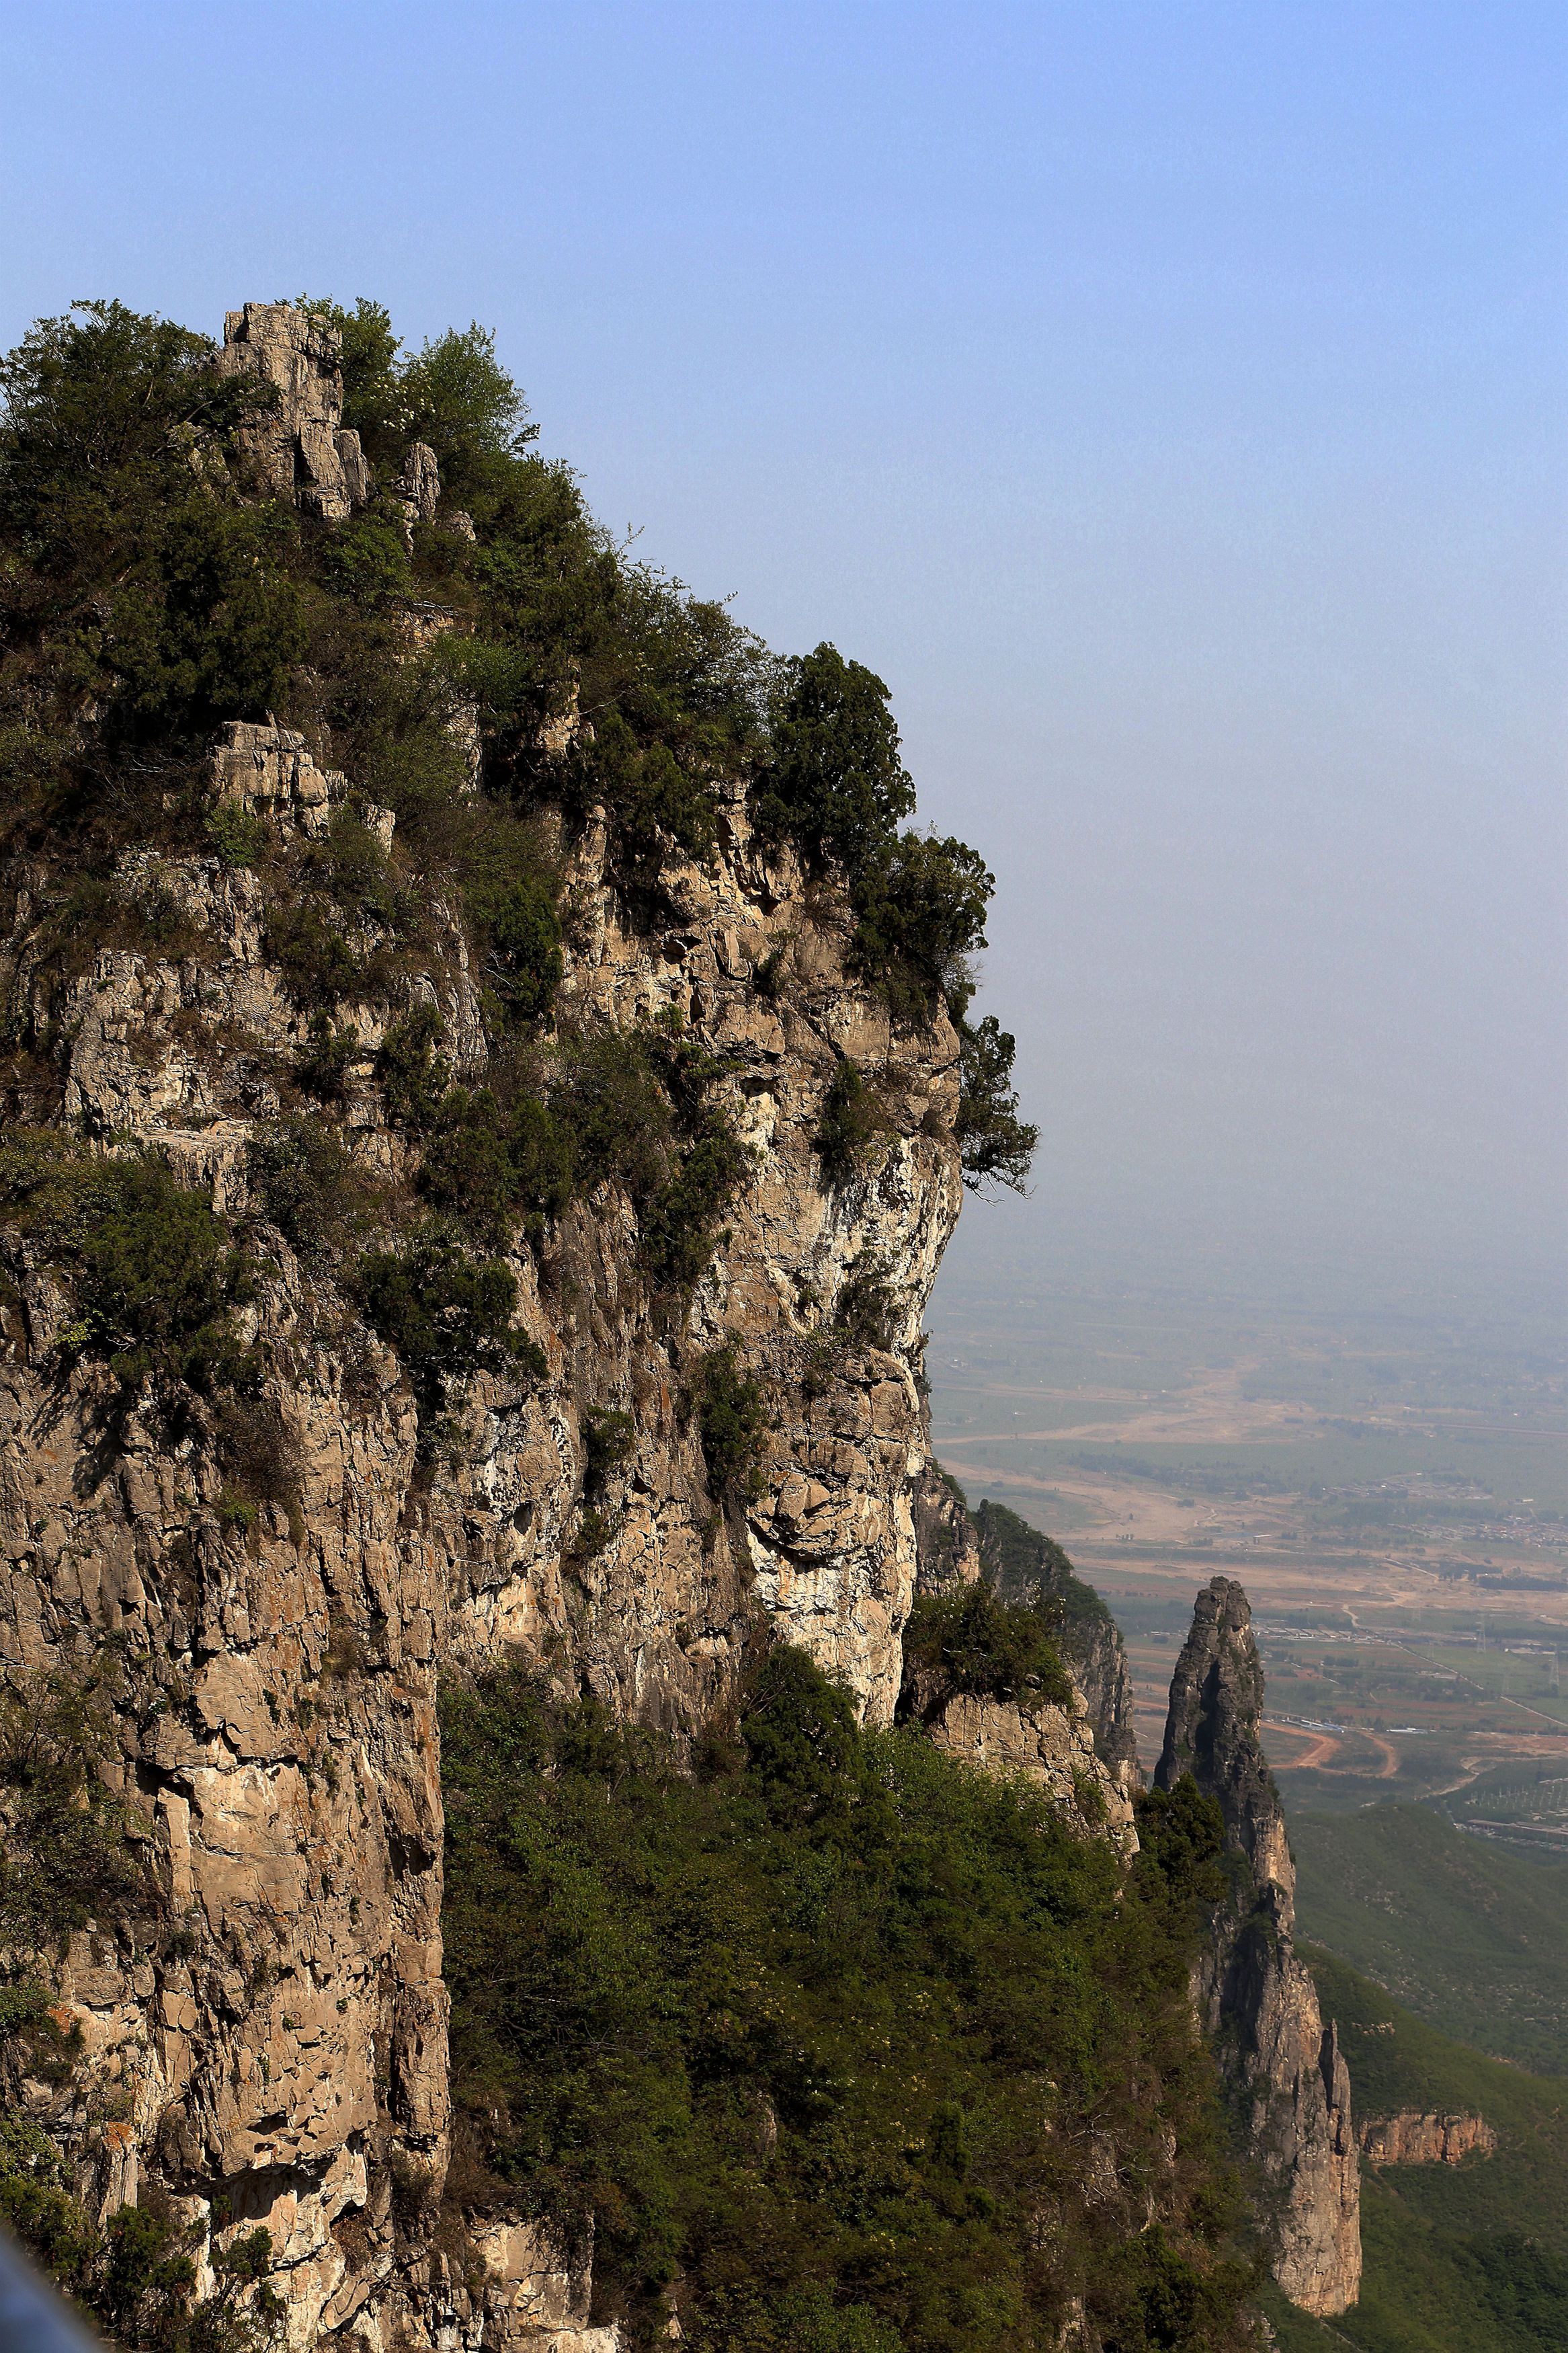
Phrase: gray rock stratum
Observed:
(1288, 2077)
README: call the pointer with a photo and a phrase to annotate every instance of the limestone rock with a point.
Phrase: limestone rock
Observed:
(1026, 1566)
(282, 2049)
(946, 1549)
(1285, 2071)
(1413, 2139)
(301, 449)
(1052, 1746)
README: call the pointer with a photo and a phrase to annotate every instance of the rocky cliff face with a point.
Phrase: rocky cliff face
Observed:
(1286, 2074)
(955, 1545)
(1413, 2139)
(270, 2035)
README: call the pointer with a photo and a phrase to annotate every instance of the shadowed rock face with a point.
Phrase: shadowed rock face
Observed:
(1287, 2076)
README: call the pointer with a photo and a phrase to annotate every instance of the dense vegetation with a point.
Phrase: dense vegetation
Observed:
(1470, 1938)
(1459, 2259)
(825, 2032)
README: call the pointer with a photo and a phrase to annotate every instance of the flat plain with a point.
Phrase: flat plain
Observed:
(1389, 1483)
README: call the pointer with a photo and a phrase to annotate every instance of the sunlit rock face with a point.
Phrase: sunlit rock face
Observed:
(1286, 2071)
(270, 2038)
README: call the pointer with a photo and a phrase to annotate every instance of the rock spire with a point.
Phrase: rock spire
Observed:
(1284, 2068)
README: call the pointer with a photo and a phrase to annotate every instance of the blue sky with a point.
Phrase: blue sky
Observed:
(1168, 400)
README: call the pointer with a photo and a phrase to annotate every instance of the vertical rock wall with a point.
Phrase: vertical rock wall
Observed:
(269, 2032)
(1286, 2074)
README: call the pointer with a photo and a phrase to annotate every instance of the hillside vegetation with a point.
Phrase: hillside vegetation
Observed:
(1470, 2258)
(1471, 1938)
(848, 2047)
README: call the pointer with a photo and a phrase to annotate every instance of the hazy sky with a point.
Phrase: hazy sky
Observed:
(1168, 400)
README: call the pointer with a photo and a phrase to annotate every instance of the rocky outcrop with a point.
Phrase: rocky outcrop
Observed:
(300, 447)
(1289, 2082)
(270, 2034)
(947, 1552)
(1413, 2139)
(956, 1545)
(1052, 1746)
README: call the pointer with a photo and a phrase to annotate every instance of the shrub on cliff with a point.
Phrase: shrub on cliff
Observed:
(971, 1641)
(153, 1268)
(448, 1315)
(819, 2037)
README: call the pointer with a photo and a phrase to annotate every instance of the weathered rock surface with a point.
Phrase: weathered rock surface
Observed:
(273, 2033)
(1412, 2138)
(954, 1545)
(947, 1551)
(1026, 1566)
(1052, 1746)
(301, 449)
(1285, 2069)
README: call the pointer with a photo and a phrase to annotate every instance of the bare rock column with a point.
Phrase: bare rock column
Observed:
(301, 446)
(1259, 2004)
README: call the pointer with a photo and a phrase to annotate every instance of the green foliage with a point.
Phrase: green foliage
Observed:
(732, 1415)
(866, 1313)
(237, 834)
(848, 1122)
(995, 1145)
(920, 905)
(608, 1440)
(1468, 1937)
(322, 1065)
(150, 1264)
(1026, 1566)
(414, 1075)
(679, 1225)
(816, 2037)
(449, 1315)
(521, 945)
(136, 2275)
(972, 1642)
(834, 779)
(64, 1857)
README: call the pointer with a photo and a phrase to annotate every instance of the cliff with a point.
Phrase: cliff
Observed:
(1288, 2077)
(489, 1088)
(1414, 2139)
(954, 1546)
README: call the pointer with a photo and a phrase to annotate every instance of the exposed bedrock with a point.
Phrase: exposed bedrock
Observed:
(273, 2033)
(1288, 2077)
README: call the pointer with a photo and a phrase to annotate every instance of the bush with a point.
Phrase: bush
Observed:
(921, 910)
(414, 1076)
(848, 1122)
(608, 1440)
(818, 2037)
(64, 1856)
(521, 953)
(446, 1314)
(972, 1642)
(680, 1222)
(866, 1313)
(156, 1280)
(732, 1418)
(153, 1273)
(834, 780)
(323, 1065)
(306, 1184)
(136, 2275)
(995, 1145)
